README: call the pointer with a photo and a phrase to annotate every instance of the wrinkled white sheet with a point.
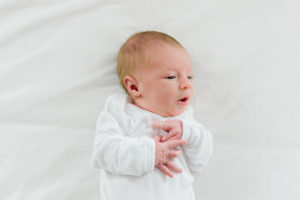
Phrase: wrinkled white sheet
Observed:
(57, 66)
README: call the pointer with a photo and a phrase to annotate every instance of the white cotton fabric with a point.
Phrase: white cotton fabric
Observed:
(125, 152)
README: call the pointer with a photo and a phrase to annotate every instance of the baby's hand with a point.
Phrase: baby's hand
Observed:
(173, 127)
(164, 153)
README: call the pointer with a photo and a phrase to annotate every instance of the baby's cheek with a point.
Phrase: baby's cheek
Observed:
(169, 93)
(165, 100)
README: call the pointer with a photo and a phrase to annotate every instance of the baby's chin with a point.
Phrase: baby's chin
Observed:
(164, 111)
(172, 113)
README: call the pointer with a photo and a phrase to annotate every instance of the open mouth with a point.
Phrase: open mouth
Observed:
(183, 101)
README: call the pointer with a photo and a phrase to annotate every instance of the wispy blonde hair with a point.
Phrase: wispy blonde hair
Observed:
(133, 51)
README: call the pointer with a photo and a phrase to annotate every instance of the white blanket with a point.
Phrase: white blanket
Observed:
(57, 66)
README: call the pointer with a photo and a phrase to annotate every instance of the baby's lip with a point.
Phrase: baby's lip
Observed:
(184, 99)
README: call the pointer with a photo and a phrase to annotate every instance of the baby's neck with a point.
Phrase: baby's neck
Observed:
(139, 105)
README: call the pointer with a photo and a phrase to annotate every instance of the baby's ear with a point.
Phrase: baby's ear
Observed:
(131, 85)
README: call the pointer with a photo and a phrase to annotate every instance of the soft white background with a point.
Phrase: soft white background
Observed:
(57, 66)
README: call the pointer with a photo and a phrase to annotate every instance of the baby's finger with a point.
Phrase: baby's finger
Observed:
(175, 153)
(165, 170)
(157, 138)
(174, 143)
(162, 125)
(170, 134)
(173, 167)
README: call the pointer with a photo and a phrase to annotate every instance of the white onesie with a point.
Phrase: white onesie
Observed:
(125, 152)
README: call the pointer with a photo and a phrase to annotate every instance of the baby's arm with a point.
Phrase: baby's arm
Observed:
(123, 155)
(119, 154)
(199, 146)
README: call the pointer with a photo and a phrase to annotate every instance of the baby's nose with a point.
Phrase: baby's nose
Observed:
(185, 85)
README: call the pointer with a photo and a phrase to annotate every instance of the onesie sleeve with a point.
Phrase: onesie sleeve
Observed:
(119, 154)
(199, 146)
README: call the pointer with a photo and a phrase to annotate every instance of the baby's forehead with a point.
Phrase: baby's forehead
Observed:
(163, 69)
(165, 59)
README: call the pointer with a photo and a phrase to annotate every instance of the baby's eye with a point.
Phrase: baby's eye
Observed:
(190, 77)
(171, 77)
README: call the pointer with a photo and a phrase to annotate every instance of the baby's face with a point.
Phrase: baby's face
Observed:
(166, 81)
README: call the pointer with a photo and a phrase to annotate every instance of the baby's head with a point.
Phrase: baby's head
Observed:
(155, 71)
